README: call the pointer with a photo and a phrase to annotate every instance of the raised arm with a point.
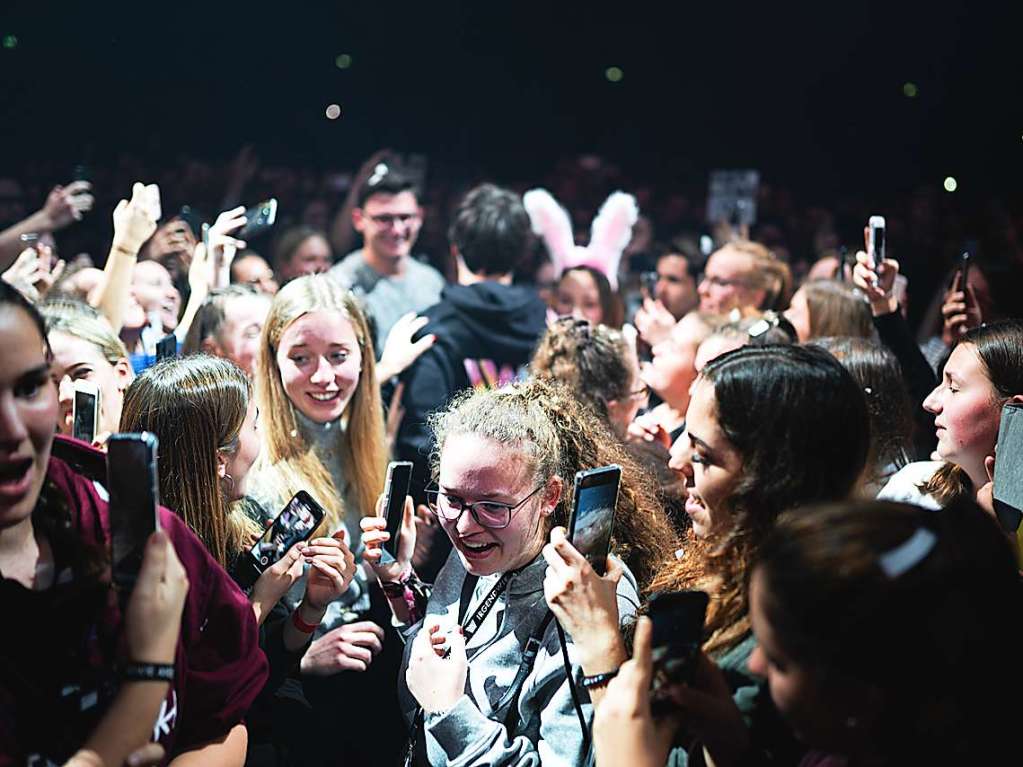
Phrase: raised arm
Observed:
(64, 205)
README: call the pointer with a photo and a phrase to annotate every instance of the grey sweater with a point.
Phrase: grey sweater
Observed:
(547, 730)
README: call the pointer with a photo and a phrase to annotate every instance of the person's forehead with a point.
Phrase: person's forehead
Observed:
(21, 346)
(673, 263)
(151, 271)
(476, 459)
(729, 261)
(252, 267)
(381, 202)
(247, 309)
(964, 362)
(319, 326)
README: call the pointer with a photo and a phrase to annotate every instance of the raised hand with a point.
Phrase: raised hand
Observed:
(332, 567)
(135, 219)
(350, 647)
(66, 204)
(654, 322)
(438, 666)
(400, 351)
(374, 534)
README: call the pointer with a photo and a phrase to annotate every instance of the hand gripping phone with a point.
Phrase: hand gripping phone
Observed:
(167, 347)
(294, 524)
(259, 218)
(399, 477)
(85, 411)
(593, 510)
(134, 486)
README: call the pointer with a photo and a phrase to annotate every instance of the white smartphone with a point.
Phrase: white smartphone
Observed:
(875, 240)
(85, 411)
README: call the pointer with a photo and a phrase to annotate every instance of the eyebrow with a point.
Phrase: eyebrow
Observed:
(697, 440)
(41, 370)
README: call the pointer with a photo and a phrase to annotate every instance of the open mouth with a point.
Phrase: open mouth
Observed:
(694, 505)
(15, 476)
(476, 550)
(325, 396)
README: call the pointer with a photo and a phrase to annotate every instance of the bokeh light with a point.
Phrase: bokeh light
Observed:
(343, 61)
(909, 90)
(614, 74)
(333, 111)
(951, 184)
(10, 41)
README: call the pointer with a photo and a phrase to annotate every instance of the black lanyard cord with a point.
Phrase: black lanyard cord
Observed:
(573, 690)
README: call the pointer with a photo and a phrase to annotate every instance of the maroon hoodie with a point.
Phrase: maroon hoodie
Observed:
(58, 647)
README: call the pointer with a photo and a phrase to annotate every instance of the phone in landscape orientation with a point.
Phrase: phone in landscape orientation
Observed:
(677, 618)
(259, 218)
(1008, 489)
(167, 347)
(593, 511)
(399, 477)
(963, 271)
(875, 240)
(293, 525)
(85, 411)
(134, 486)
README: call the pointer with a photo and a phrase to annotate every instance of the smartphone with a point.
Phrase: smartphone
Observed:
(593, 511)
(192, 219)
(81, 172)
(167, 347)
(677, 618)
(259, 218)
(85, 411)
(134, 486)
(648, 281)
(399, 477)
(1008, 489)
(875, 240)
(294, 524)
(963, 271)
(29, 238)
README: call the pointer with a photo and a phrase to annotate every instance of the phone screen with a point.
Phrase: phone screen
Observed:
(134, 487)
(596, 496)
(86, 407)
(294, 524)
(399, 476)
(677, 618)
(259, 218)
(1008, 483)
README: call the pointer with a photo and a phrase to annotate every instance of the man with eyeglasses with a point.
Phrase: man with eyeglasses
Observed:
(383, 272)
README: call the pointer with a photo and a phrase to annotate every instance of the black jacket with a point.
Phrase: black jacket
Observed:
(486, 334)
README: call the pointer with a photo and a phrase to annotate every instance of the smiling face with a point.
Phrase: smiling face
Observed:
(153, 289)
(578, 296)
(28, 411)
(709, 463)
(476, 468)
(966, 412)
(320, 362)
(75, 359)
(389, 224)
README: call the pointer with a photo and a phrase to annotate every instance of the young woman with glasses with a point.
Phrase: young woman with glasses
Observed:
(504, 465)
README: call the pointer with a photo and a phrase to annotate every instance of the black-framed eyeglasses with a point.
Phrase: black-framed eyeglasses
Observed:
(490, 514)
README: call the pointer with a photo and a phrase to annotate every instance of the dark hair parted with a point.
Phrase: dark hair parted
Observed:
(932, 640)
(610, 304)
(385, 179)
(490, 230)
(591, 359)
(799, 422)
(879, 374)
(559, 436)
(1000, 349)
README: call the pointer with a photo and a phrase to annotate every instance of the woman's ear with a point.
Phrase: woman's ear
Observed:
(123, 374)
(221, 464)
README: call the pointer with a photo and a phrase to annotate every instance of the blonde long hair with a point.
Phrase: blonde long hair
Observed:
(288, 462)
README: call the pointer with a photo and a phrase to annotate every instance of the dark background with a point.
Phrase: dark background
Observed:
(811, 94)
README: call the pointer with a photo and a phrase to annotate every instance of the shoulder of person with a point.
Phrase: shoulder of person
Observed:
(904, 486)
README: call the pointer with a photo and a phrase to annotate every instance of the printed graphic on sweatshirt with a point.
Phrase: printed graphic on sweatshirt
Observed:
(486, 374)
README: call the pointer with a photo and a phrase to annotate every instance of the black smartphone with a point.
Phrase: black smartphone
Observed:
(875, 240)
(85, 411)
(81, 172)
(192, 218)
(134, 485)
(1008, 488)
(963, 270)
(167, 347)
(258, 219)
(399, 477)
(293, 525)
(593, 511)
(678, 618)
(649, 284)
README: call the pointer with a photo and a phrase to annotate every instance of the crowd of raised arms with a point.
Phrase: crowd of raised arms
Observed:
(584, 486)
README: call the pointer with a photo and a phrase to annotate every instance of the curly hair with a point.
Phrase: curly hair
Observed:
(545, 420)
(780, 407)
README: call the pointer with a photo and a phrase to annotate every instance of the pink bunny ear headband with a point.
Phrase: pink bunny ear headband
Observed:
(609, 234)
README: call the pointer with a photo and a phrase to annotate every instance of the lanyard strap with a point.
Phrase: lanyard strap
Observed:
(471, 625)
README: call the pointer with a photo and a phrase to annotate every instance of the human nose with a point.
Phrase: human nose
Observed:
(679, 460)
(323, 373)
(467, 523)
(12, 427)
(65, 390)
(933, 402)
(756, 662)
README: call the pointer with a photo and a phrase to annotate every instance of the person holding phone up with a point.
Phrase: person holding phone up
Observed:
(58, 679)
(759, 440)
(471, 692)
